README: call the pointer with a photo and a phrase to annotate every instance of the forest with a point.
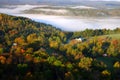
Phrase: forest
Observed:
(36, 51)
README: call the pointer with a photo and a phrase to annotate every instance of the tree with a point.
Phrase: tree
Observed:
(20, 40)
(1, 50)
(29, 50)
(69, 66)
(117, 65)
(117, 70)
(2, 59)
(111, 51)
(106, 75)
(32, 37)
(85, 63)
(18, 51)
(22, 68)
(57, 63)
(28, 57)
(54, 44)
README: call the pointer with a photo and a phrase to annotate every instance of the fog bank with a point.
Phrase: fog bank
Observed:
(75, 24)
(67, 23)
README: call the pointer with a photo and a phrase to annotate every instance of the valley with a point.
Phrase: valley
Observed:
(59, 40)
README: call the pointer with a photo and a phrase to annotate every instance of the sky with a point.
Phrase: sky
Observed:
(51, 0)
(72, 0)
(36, 1)
(104, 0)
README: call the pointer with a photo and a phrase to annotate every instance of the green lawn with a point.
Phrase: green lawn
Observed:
(114, 36)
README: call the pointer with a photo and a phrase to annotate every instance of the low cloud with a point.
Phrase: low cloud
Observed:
(62, 22)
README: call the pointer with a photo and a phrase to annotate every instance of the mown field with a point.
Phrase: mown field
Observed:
(113, 36)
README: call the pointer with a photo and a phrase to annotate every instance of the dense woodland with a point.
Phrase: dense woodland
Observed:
(38, 51)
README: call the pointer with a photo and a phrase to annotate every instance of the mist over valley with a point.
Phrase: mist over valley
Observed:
(68, 18)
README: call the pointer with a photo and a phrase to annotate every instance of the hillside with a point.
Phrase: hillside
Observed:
(92, 3)
(13, 28)
(38, 51)
(82, 11)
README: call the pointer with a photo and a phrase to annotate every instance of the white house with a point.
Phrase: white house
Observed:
(14, 44)
(80, 39)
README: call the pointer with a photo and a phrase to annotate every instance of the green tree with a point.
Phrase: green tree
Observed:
(51, 59)
(57, 63)
(1, 50)
(111, 51)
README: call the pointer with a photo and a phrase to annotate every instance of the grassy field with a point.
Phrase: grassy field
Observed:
(113, 36)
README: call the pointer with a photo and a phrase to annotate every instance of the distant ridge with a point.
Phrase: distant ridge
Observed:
(55, 1)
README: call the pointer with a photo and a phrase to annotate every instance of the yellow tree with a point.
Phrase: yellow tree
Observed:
(20, 40)
(54, 44)
(85, 63)
(117, 65)
(32, 37)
